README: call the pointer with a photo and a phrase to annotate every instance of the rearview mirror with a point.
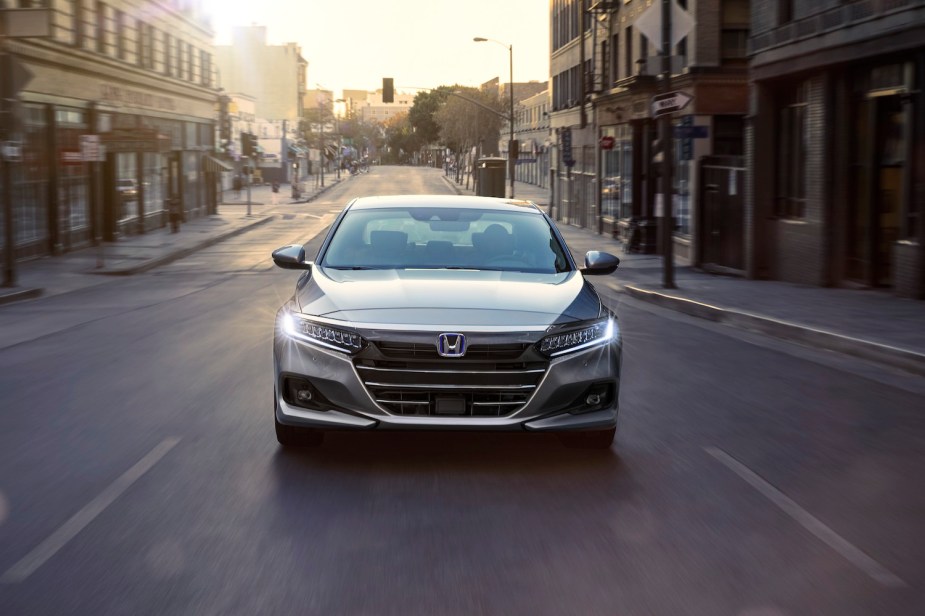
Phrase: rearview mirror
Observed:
(291, 257)
(599, 263)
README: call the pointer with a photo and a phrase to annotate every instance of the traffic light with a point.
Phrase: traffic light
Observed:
(248, 145)
(224, 119)
(388, 90)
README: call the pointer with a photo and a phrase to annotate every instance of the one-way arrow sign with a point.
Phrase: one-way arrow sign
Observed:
(663, 104)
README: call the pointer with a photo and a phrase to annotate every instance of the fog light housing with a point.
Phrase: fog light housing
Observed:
(596, 397)
(301, 392)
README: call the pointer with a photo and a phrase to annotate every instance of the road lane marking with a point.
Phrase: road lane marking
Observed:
(808, 521)
(80, 520)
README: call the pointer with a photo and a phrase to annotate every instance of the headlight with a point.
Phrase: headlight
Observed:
(597, 333)
(322, 335)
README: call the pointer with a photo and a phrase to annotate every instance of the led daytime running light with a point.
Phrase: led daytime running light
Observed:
(598, 333)
(322, 334)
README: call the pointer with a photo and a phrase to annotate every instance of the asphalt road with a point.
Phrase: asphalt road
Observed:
(139, 472)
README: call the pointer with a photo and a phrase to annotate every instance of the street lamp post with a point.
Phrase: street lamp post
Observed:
(510, 144)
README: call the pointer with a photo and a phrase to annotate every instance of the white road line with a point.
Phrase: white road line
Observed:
(77, 522)
(811, 523)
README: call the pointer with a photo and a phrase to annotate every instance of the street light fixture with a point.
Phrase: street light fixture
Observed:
(510, 144)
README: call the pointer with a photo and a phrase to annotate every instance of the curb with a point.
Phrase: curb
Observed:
(817, 338)
(181, 253)
(451, 184)
(15, 296)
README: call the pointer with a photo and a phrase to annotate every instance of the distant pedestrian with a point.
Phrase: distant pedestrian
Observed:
(237, 184)
(275, 196)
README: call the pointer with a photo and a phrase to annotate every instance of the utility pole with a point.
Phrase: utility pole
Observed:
(7, 102)
(321, 122)
(666, 220)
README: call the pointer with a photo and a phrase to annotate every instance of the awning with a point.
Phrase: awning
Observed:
(210, 163)
(298, 151)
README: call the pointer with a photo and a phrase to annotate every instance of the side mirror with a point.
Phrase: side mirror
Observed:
(599, 263)
(291, 257)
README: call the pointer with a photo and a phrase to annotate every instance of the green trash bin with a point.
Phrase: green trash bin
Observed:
(491, 177)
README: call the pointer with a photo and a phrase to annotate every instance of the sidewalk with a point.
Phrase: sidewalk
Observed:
(873, 325)
(134, 254)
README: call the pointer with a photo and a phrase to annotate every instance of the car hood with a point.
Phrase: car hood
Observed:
(462, 298)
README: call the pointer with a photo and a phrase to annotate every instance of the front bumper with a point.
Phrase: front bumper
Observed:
(347, 404)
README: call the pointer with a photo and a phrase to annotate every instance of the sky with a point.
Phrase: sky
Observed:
(419, 43)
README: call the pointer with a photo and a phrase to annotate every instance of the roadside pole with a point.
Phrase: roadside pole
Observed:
(248, 177)
(666, 220)
(9, 253)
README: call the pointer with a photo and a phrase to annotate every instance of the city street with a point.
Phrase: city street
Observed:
(140, 474)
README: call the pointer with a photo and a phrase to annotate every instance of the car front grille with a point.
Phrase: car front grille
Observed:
(412, 379)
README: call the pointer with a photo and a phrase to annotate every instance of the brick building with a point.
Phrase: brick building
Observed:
(140, 80)
(836, 143)
(602, 94)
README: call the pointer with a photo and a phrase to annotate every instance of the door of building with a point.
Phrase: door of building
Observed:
(876, 199)
(722, 213)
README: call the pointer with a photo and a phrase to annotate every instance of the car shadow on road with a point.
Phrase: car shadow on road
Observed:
(463, 451)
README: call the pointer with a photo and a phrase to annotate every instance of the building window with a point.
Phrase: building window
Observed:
(736, 17)
(65, 21)
(792, 148)
(206, 62)
(160, 50)
(615, 58)
(606, 78)
(784, 11)
(100, 14)
(146, 46)
(628, 52)
(91, 31)
(734, 44)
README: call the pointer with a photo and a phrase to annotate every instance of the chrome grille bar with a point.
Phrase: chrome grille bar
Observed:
(420, 386)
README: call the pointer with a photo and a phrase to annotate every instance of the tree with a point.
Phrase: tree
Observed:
(421, 114)
(399, 139)
(470, 117)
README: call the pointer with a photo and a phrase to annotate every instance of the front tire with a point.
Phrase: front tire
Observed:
(293, 436)
(588, 439)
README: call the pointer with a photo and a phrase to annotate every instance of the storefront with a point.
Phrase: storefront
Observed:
(150, 138)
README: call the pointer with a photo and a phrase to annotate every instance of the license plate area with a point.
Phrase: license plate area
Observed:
(450, 405)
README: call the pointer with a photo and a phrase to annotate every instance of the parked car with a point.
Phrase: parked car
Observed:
(127, 189)
(436, 312)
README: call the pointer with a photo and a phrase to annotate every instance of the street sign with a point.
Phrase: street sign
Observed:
(691, 132)
(12, 151)
(26, 23)
(650, 24)
(90, 148)
(607, 142)
(663, 104)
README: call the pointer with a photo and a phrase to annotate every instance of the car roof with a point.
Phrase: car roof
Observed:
(447, 201)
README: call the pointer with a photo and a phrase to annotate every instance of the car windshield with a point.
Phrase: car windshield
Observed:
(453, 238)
